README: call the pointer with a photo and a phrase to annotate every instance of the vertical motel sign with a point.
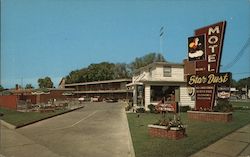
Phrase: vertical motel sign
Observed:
(205, 49)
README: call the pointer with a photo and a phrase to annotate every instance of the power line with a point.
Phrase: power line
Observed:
(238, 56)
(241, 73)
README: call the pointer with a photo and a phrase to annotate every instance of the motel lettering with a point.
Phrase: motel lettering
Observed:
(213, 38)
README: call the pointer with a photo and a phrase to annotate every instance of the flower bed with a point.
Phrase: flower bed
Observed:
(211, 116)
(174, 133)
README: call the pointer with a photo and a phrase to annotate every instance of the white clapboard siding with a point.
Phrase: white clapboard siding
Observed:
(157, 73)
(177, 74)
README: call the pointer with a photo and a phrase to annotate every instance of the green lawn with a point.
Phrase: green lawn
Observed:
(241, 104)
(200, 135)
(21, 118)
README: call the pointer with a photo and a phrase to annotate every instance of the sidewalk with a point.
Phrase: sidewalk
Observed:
(237, 144)
(13, 144)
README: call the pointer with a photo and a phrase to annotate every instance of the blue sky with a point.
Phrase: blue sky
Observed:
(53, 37)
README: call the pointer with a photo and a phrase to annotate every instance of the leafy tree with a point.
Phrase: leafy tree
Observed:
(45, 82)
(75, 76)
(145, 60)
(29, 86)
(99, 72)
(102, 71)
(108, 71)
(233, 83)
(1, 88)
(121, 70)
(243, 82)
(159, 58)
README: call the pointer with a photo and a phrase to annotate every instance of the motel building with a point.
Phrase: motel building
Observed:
(100, 90)
(161, 81)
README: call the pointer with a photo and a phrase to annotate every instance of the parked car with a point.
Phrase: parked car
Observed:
(95, 99)
(110, 100)
(84, 98)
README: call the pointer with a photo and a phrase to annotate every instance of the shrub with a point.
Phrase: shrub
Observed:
(162, 122)
(223, 105)
(128, 107)
(140, 110)
(152, 108)
(171, 123)
(185, 108)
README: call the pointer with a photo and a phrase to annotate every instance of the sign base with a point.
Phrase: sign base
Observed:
(210, 116)
(164, 132)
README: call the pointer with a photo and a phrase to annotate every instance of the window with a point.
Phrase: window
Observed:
(167, 71)
(162, 92)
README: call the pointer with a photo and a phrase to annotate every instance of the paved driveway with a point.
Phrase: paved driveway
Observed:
(97, 130)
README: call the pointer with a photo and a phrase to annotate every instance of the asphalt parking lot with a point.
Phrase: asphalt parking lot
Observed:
(97, 130)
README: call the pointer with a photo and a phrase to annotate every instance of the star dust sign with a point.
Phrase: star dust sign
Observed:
(204, 49)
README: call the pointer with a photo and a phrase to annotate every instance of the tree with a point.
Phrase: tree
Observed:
(145, 60)
(121, 70)
(45, 82)
(243, 82)
(29, 86)
(108, 71)
(101, 71)
(233, 83)
(1, 88)
(76, 76)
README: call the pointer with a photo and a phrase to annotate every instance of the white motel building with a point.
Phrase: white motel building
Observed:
(158, 81)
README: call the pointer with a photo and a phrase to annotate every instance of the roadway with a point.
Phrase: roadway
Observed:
(97, 130)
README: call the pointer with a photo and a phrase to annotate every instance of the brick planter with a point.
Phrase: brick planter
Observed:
(163, 132)
(211, 116)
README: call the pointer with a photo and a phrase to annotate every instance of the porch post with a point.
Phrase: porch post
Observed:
(147, 96)
(135, 96)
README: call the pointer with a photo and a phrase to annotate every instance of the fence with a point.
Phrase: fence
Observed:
(9, 101)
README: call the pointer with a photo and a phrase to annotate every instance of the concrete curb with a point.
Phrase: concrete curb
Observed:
(7, 125)
(132, 151)
(131, 146)
(10, 126)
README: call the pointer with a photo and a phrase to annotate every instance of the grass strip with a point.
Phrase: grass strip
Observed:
(24, 118)
(200, 135)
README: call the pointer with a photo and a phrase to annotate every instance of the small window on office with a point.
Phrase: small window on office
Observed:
(167, 71)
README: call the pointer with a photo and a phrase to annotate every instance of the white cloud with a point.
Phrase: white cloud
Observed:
(198, 53)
